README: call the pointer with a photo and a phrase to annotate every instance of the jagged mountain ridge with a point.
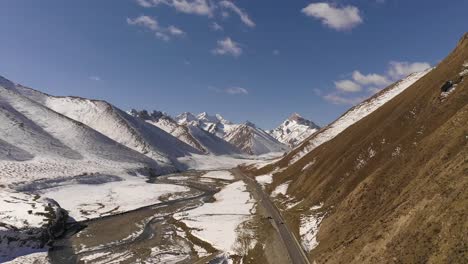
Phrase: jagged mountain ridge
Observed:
(253, 140)
(190, 133)
(115, 124)
(294, 130)
(246, 137)
(216, 124)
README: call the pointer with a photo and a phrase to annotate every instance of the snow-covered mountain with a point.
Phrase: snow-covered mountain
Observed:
(355, 114)
(246, 137)
(294, 130)
(115, 124)
(189, 133)
(185, 118)
(216, 124)
(169, 125)
(252, 140)
(37, 142)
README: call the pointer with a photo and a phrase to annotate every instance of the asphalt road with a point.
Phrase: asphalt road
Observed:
(295, 251)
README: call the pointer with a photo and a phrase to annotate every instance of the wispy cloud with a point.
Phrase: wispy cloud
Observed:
(276, 52)
(348, 86)
(235, 90)
(242, 14)
(335, 17)
(197, 7)
(95, 78)
(337, 98)
(227, 47)
(372, 78)
(164, 33)
(400, 69)
(202, 8)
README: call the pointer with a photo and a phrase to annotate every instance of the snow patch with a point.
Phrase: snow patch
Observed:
(309, 228)
(264, 179)
(85, 201)
(223, 175)
(281, 189)
(216, 222)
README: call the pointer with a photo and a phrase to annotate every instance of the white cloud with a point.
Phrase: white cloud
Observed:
(196, 7)
(202, 8)
(242, 14)
(227, 47)
(95, 78)
(276, 52)
(372, 82)
(236, 90)
(175, 31)
(339, 99)
(400, 69)
(216, 27)
(372, 78)
(153, 25)
(339, 18)
(144, 21)
(348, 86)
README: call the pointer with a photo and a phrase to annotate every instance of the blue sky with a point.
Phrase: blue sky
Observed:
(261, 61)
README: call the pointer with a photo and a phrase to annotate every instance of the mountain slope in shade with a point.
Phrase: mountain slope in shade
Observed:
(294, 130)
(252, 140)
(353, 115)
(190, 133)
(116, 124)
(392, 187)
(36, 142)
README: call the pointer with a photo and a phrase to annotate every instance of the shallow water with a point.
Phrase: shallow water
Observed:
(146, 234)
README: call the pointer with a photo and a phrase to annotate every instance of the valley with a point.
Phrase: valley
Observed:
(83, 181)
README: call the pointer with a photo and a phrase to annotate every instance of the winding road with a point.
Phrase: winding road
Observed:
(295, 251)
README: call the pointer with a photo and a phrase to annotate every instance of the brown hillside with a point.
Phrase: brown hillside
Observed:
(395, 184)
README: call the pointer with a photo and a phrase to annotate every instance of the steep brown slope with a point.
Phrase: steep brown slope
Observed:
(393, 185)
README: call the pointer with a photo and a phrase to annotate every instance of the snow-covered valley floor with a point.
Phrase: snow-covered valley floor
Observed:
(179, 217)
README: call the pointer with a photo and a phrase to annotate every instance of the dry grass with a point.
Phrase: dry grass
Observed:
(408, 201)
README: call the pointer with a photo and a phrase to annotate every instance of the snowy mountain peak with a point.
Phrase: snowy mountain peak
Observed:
(207, 118)
(185, 118)
(294, 130)
(222, 120)
(252, 140)
(145, 115)
(295, 117)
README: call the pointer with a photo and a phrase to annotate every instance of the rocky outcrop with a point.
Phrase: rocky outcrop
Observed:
(36, 228)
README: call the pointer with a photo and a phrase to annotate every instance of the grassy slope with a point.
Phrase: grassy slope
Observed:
(409, 207)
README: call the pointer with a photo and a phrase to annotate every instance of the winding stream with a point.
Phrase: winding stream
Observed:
(148, 234)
